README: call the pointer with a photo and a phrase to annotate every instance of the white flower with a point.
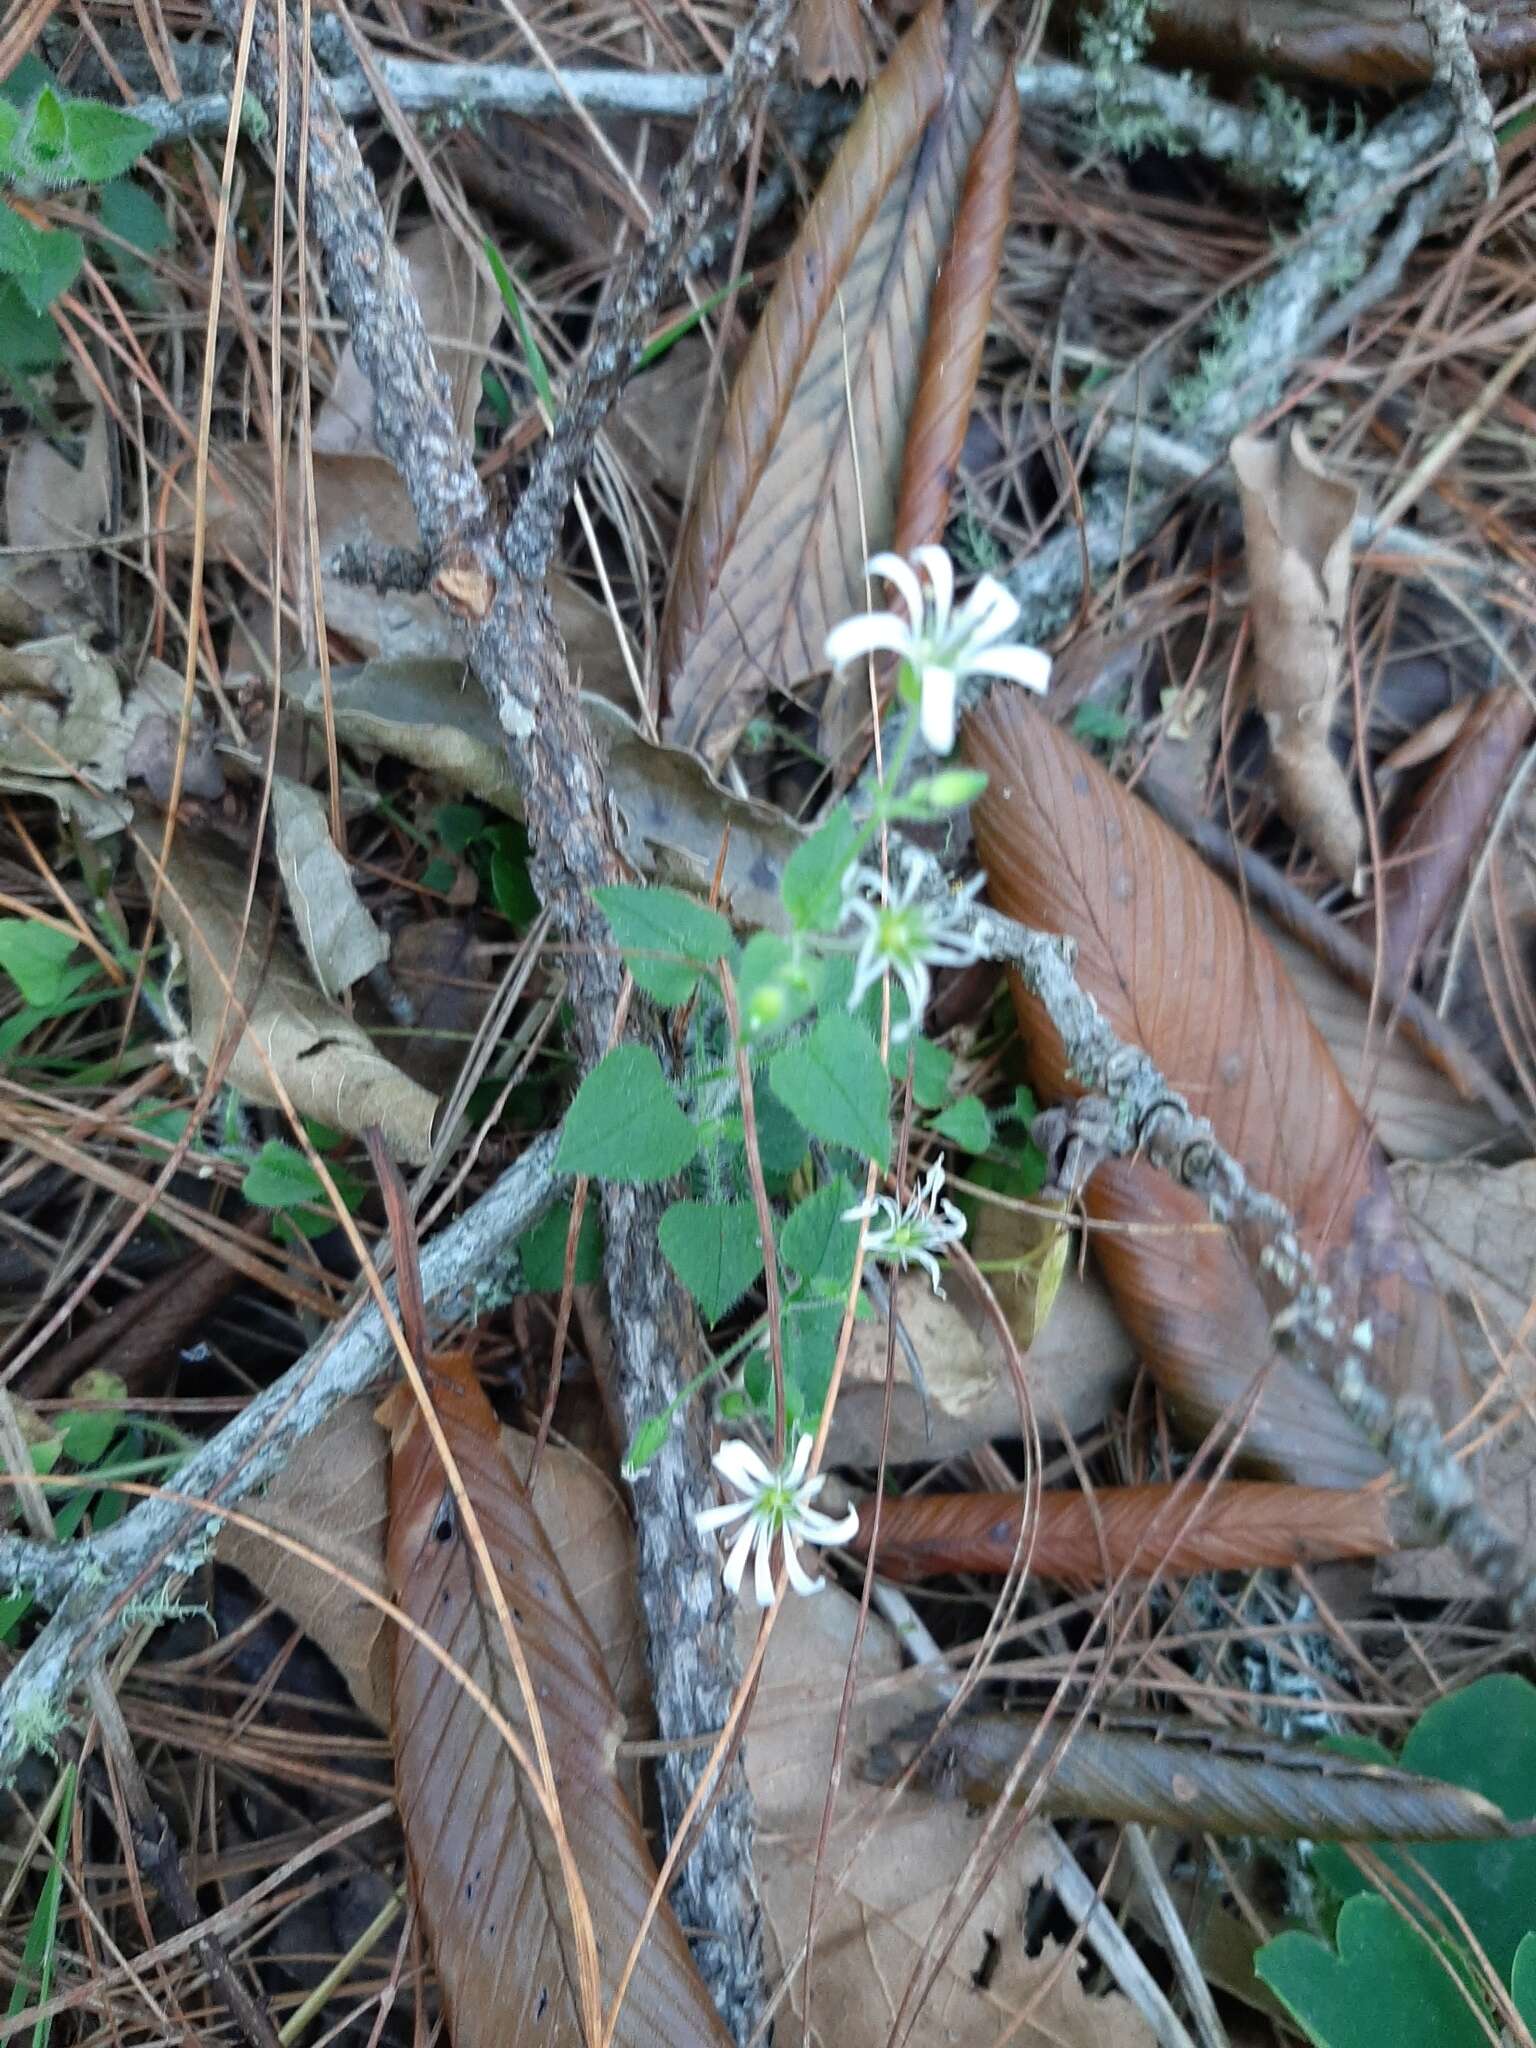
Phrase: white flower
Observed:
(911, 933)
(775, 1504)
(939, 643)
(911, 1236)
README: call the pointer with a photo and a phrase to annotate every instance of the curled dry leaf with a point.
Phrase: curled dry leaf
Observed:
(341, 941)
(1147, 1531)
(879, 1903)
(1167, 952)
(326, 1062)
(832, 43)
(490, 1884)
(1186, 1778)
(60, 509)
(64, 733)
(673, 815)
(1298, 520)
(806, 465)
(1077, 1365)
(1446, 826)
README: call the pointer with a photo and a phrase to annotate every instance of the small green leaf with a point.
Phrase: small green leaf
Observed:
(439, 875)
(512, 888)
(781, 1139)
(36, 958)
(1099, 722)
(29, 341)
(125, 209)
(965, 1123)
(624, 1124)
(40, 147)
(835, 1084)
(658, 922)
(280, 1177)
(817, 1243)
(931, 1069)
(10, 128)
(541, 1249)
(103, 141)
(715, 1250)
(811, 1331)
(1386, 1984)
(646, 1442)
(1522, 1981)
(88, 1434)
(812, 884)
(42, 262)
(458, 826)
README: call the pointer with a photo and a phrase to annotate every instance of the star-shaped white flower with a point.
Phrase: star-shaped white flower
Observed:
(908, 935)
(774, 1504)
(939, 643)
(912, 1235)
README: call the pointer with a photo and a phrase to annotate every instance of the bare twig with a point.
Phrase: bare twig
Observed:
(1449, 31)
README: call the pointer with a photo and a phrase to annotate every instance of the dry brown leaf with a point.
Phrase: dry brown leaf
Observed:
(1144, 1530)
(878, 1926)
(61, 718)
(957, 331)
(340, 939)
(61, 509)
(1166, 950)
(1298, 521)
(333, 1495)
(1077, 1367)
(327, 1063)
(805, 468)
(832, 43)
(1414, 1110)
(492, 1890)
(1445, 828)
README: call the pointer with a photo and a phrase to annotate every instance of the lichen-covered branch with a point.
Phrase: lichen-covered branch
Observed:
(1132, 1110)
(1448, 27)
(102, 1586)
(515, 652)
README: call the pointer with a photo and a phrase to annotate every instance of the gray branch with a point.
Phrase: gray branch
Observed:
(101, 1587)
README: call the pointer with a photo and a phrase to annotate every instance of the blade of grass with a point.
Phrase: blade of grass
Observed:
(538, 369)
(654, 350)
(42, 1936)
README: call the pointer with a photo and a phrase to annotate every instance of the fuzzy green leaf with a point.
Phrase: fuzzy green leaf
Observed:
(715, 1250)
(812, 883)
(625, 1124)
(965, 1123)
(818, 1244)
(661, 921)
(541, 1249)
(36, 957)
(836, 1085)
(102, 142)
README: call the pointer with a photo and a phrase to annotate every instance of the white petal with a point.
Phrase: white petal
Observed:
(1026, 666)
(896, 571)
(870, 631)
(933, 1181)
(936, 713)
(799, 1463)
(989, 613)
(930, 1266)
(814, 1527)
(739, 1463)
(708, 1519)
(736, 1563)
(941, 574)
(799, 1578)
(763, 1583)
